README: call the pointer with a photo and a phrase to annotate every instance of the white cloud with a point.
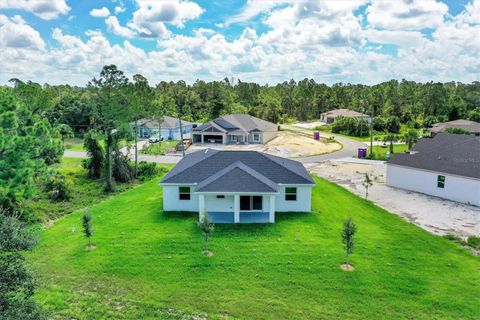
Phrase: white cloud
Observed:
(16, 33)
(119, 9)
(45, 9)
(396, 37)
(252, 9)
(406, 14)
(150, 18)
(114, 26)
(100, 13)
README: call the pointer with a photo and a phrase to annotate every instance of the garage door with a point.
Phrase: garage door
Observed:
(212, 138)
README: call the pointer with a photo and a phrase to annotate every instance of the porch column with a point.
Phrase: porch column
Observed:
(201, 206)
(271, 217)
(236, 208)
(202, 137)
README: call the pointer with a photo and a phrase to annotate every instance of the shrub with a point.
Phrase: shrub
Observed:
(94, 163)
(379, 124)
(122, 171)
(456, 131)
(58, 187)
(474, 242)
(351, 127)
(147, 170)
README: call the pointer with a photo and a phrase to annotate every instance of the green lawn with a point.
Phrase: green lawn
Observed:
(74, 144)
(84, 192)
(157, 149)
(148, 265)
(380, 153)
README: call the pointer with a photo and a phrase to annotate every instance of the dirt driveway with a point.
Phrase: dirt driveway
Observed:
(433, 214)
(285, 144)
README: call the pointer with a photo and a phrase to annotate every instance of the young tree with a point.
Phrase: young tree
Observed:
(17, 285)
(349, 230)
(87, 227)
(367, 182)
(95, 161)
(141, 98)
(391, 139)
(207, 228)
(410, 137)
(65, 131)
(110, 111)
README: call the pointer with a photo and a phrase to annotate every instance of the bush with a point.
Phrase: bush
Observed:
(474, 242)
(122, 171)
(393, 124)
(94, 163)
(351, 127)
(456, 131)
(379, 124)
(146, 170)
(58, 187)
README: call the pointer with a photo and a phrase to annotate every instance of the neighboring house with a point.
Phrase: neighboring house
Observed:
(235, 129)
(446, 166)
(170, 128)
(330, 116)
(470, 126)
(237, 186)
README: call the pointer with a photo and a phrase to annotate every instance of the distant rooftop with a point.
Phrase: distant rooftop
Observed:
(168, 123)
(239, 122)
(470, 126)
(344, 113)
(448, 153)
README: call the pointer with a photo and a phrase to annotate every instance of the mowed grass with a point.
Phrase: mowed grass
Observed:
(156, 149)
(148, 264)
(74, 144)
(380, 153)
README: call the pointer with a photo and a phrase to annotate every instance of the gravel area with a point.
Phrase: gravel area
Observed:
(433, 214)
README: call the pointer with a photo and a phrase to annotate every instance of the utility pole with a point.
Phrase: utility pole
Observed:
(371, 133)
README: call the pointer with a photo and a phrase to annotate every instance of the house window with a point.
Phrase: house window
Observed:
(220, 196)
(249, 203)
(256, 137)
(234, 138)
(290, 194)
(184, 193)
(441, 182)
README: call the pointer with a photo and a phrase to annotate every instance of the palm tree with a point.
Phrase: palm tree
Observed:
(367, 182)
(410, 137)
(391, 138)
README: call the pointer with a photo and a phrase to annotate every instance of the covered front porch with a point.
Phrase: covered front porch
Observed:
(245, 217)
(237, 208)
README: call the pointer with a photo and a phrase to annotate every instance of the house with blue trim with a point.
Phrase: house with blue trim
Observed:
(170, 128)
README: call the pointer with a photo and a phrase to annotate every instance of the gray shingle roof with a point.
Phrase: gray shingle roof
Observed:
(240, 122)
(247, 171)
(168, 123)
(448, 153)
(470, 126)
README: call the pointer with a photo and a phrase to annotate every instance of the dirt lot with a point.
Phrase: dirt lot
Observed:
(433, 214)
(286, 144)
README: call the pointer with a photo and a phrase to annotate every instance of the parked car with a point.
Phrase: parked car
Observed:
(155, 138)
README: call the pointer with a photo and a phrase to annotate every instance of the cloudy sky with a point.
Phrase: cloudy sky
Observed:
(357, 41)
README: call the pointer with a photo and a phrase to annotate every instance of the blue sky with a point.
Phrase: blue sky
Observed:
(367, 41)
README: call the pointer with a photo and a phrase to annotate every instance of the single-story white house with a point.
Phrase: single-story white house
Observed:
(237, 186)
(170, 128)
(446, 166)
(235, 129)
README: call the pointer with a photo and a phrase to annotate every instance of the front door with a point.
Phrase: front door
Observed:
(251, 203)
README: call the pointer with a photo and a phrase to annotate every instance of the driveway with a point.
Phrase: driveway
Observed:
(350, 146)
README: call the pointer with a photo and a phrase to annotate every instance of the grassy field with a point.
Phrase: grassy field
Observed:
(157, 149)
(84, 192)
(148, 264)
(380, 153)
(74, 144)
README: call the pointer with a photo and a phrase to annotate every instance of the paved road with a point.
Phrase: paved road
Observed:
(350, 147)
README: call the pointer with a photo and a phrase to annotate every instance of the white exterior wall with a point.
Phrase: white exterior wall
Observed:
(212, 204)
(172, 202)
(457, 188)
(302, 204)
